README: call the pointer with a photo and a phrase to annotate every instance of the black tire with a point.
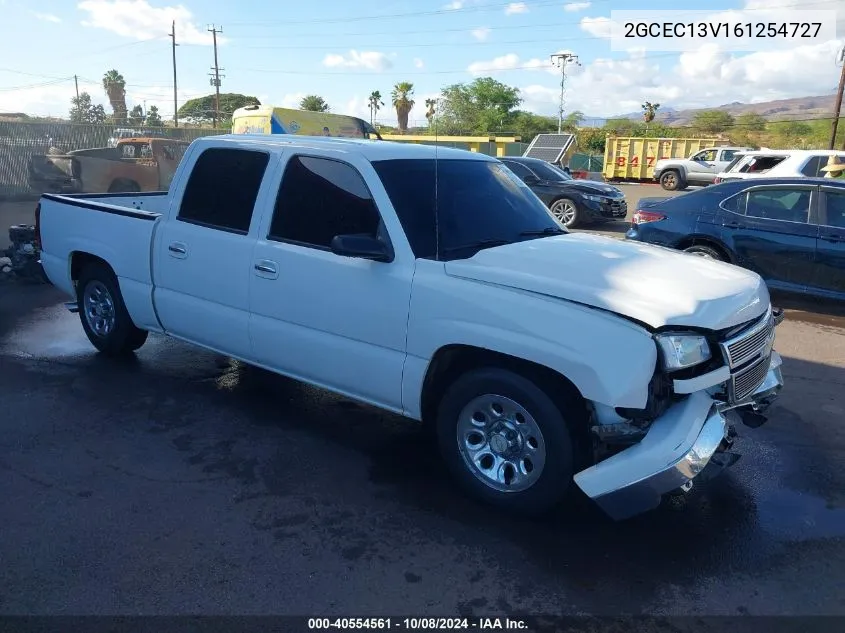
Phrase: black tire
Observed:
(567, 212)
(122, 185)
(703, 250)
(123, 337)
(671, 180)
(554, 481)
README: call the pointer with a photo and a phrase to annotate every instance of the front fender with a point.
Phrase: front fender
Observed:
(609, 359)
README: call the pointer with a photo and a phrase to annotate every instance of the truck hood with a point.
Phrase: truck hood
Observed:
(654, 285)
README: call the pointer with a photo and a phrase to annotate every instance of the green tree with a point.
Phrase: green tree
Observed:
(402, 99)
(136, 116)
(84, 111)
(154, 118)
(751, 122)
(375, 103)
(571, 121)
(115, 86)
(527, 125)
(712, 121)
(430, 106)
(314, 103)
(619, 127)
(591, 140)
(483, 106)
(200, 111)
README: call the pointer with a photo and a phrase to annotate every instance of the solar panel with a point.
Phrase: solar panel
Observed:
(549, 147)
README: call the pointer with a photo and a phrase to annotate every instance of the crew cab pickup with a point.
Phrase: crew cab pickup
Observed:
(434, 284)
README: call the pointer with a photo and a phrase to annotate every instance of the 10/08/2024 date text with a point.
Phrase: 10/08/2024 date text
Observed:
(423, 623)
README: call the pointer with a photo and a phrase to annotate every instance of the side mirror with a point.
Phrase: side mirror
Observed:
(361, 246)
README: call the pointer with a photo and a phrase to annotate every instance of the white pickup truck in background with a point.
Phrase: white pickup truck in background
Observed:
(432, 283)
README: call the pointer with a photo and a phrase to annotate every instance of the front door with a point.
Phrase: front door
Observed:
(702, 167)
(772, 229)
(332, 320)
(830, 269)
(204, 251)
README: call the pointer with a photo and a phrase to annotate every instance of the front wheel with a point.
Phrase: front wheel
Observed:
(505, 441)
(566, 212)
(103, 314)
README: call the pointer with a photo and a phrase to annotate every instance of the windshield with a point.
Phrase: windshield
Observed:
(732, 164)
(545, 171)
(480, 204)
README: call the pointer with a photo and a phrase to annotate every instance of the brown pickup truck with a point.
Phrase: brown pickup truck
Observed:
(135, 164)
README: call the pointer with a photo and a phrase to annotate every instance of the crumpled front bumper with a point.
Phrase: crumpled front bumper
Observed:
(679, 445)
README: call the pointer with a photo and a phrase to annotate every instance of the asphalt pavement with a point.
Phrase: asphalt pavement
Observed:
(181, 482)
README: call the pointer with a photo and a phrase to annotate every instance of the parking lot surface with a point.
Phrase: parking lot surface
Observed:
(181, 482)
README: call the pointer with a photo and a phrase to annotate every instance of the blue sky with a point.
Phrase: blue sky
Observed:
(279, 51)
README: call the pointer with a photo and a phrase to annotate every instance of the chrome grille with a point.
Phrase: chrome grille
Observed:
(751, 343)
(745, 382)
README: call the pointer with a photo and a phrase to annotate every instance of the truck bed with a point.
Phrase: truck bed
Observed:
(118, 228)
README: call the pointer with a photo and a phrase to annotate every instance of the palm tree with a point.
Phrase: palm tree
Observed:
(402, 101)
(314, 103)
(375, 103)
(650, 111)
(115, 86)
(430, 105)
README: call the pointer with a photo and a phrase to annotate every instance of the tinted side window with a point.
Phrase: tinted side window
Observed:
(320, 198)
(518, 169)
(222, 188)
(728, 154)
(790, 205)
(835, 203)
(811, 169)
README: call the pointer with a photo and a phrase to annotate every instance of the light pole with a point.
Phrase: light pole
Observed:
(561, 60)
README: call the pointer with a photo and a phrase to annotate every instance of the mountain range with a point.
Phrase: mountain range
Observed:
(782, 109)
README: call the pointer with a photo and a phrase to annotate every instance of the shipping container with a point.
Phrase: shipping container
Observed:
(633, 158)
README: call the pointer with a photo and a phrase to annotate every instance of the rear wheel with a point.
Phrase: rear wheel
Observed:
(103, 314)
(566, 212)
(505, 441)
(702, 250)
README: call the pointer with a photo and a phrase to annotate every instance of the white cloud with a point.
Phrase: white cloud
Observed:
(511, 61)
(40, 101)
(372, 60)
(597, 27)
(48, 17)
(572, 7)
(516, 7)
(137, 19)
(481, 33)
(418, 63)
(291, 100)
(454, 5)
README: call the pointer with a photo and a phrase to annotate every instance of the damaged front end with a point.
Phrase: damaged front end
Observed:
(687, 428)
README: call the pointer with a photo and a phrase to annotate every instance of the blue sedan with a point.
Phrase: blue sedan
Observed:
(791, 231)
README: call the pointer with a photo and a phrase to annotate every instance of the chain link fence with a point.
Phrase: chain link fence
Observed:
(20, 141)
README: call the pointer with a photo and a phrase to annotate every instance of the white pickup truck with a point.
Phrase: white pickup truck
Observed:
(432, 283)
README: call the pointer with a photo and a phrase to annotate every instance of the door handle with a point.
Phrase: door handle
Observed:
(732, 225)
(266, 267)
(836, 239)
(177, 248)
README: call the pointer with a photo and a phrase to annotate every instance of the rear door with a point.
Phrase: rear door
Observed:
(830, 268)
(204, 250)
(772, 230)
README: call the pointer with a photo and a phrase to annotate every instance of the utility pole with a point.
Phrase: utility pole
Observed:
(838, 107)
(561, 60)
(175, 103)
(215, 76)
(76, 84)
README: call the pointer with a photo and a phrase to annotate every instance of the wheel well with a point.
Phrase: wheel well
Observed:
(451, 361)
(79, 260)
(705, 241)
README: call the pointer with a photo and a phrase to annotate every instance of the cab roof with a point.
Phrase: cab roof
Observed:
(372, 150)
